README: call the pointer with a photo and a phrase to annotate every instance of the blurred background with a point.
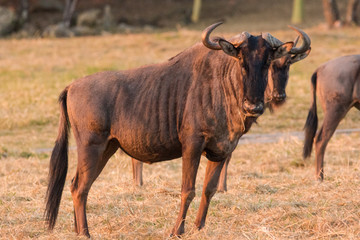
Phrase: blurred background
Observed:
(67, 18)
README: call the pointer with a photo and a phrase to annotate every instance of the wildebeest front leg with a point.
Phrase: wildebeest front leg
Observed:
(333, 115)
(137, 172)
(212, 174)
(190, 163)
(222, 186)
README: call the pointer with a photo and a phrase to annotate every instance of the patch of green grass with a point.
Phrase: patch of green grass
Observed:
(265, 189)
(261, 205)
(95, 69)
(297, 162)
(26, 154)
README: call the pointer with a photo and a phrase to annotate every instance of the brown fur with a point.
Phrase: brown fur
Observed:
(193, 104)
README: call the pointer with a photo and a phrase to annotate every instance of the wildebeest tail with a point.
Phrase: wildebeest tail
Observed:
(58, 165)
(311, 121)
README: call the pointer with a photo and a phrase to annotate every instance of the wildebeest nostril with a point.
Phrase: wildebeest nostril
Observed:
(253, 109)
(259, 108)
(279, 96)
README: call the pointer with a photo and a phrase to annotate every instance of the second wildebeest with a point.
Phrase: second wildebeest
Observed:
(337, 85)
(275, 93)
(199, 102)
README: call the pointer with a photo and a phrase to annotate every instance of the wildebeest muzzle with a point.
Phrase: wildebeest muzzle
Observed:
(279, 96)
(253, 110)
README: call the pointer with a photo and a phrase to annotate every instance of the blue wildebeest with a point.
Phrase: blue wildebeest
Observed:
(275, 93)
(337, 84)
(199, 102)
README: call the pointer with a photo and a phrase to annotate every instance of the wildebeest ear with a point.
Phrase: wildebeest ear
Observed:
(283, 49)
(228, 48)
(300, 56)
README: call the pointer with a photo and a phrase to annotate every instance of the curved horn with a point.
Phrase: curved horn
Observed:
(206, 37)
(240, 38)
(273, 41)
(306, 41)
(296, 40)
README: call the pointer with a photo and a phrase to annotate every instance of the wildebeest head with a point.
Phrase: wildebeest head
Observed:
(279, 69)
(254, 55)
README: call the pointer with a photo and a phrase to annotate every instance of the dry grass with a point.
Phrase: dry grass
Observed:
(272, 193)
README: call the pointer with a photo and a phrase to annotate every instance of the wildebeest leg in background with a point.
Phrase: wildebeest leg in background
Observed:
(212, 175)
(222, 187)
(92, 157)
(357, 105)
(137, 167)
(191, 154)
(333, 114)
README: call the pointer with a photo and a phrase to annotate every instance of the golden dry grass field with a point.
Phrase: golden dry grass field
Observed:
(272, 191)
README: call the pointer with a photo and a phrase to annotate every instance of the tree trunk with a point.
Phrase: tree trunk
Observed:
(331, 12)
(24, 11)
(298, 12)
(196, 11)
(69, 10)
(352, 13)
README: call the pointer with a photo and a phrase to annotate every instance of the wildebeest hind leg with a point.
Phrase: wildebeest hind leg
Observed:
(332, 118)
(91, 160)
(191, 154)
(222, 186)
(137, 172)
(212, 174)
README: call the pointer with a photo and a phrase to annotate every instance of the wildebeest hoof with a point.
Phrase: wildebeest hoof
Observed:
(222, 190)
(177, 232)
(172, 235)
(320, 180)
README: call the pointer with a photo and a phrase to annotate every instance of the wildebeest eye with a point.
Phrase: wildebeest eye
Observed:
(268, 62)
